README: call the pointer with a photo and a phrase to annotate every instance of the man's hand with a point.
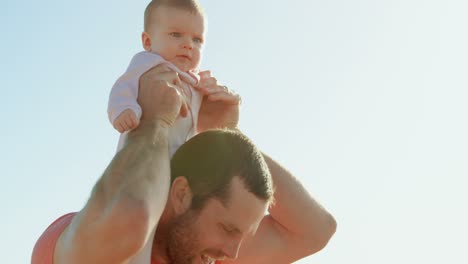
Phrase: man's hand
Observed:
(126, 121)
(220, 106)
(160, 96)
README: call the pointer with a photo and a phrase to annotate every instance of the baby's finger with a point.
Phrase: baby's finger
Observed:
(119, 128)
(128, 123)
(135, 120)
(125, 126)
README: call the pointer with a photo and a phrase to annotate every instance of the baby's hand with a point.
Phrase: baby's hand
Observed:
(126, 121)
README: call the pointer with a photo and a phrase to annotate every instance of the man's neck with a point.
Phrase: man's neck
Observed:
(159, 248)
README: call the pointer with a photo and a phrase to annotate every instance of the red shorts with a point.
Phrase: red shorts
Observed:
(43, 252)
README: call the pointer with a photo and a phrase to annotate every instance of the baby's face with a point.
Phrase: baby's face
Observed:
(178, 36)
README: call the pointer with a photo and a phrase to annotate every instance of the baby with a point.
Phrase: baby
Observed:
(173, 35)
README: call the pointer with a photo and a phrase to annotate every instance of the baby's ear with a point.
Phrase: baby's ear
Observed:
(181, 195)
(146, 41)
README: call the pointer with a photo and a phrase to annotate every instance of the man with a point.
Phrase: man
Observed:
(205, 211)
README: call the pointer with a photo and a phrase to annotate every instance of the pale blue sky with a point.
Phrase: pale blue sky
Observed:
(365, 101)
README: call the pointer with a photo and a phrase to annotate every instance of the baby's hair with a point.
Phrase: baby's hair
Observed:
(188, 5)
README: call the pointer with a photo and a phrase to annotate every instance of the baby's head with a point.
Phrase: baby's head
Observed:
(175, 29)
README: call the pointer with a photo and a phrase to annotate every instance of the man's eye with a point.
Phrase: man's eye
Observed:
(228, 230)
(175, 34)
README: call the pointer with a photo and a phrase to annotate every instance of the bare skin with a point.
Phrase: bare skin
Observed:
(220, 107)
(176, 35)
(134, 195)
(131, 194)
(126, 121)
(288, 233)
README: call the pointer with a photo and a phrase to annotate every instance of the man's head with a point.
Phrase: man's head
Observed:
(175, 29)
(221, 188)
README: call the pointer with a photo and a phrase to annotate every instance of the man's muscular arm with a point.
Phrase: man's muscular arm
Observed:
(298, 214)
(127, 201)
(297, 226)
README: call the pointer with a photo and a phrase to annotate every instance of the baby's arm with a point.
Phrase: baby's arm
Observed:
(123, 110)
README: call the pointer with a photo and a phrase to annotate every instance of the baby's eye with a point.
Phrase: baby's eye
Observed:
(197, 40)
(175, 34)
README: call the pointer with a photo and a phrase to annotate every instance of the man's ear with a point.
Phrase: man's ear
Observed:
(180, 195)
(146, 41)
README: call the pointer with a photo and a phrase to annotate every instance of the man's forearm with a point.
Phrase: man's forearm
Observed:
(297, 211)
(138, 178)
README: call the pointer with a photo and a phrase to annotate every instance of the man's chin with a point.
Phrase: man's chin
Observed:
(206, 260)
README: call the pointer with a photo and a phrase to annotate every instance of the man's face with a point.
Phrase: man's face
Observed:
(178, 36)
(215, 232)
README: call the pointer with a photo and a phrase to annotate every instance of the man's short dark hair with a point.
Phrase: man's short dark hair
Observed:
(211, 159)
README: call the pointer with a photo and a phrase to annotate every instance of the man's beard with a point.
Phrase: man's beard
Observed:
(182, 239)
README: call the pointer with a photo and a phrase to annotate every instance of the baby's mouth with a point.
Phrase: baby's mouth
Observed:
(183, 57)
